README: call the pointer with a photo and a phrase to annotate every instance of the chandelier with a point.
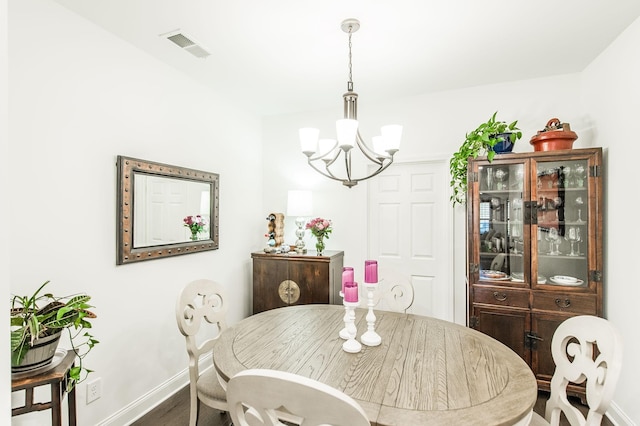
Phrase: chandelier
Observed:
(322, 154)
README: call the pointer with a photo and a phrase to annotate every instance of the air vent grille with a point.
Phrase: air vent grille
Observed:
(187, 43)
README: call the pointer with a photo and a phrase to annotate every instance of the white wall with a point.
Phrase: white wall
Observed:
(602, 106)
(611, 93)
(4, 213)
(79, 97)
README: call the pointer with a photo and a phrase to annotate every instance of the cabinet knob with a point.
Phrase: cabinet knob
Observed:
(500, 297)
(563, 303)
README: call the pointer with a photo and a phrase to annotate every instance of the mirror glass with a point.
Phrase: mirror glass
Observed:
(164, 210)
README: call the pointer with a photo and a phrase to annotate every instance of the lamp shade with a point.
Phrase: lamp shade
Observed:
(346, 129)
(299, 203)
(308, 140)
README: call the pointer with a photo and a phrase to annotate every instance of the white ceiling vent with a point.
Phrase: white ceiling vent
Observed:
(187, 43)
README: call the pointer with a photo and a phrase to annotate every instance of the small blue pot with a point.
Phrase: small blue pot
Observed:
(504, 143)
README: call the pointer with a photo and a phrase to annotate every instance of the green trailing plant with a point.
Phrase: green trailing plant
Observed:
(478, 142)
(40, 315)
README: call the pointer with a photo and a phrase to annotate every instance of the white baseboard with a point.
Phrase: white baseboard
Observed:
(617, 417)
(147, 402)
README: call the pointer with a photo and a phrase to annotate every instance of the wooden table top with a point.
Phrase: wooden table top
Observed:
(426, 371)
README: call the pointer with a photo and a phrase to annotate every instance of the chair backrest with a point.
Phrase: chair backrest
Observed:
(200, 300)
(394, 294)
(584, 348)
(266, 393)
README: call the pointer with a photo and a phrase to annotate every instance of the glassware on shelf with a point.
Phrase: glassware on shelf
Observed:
(553, 238)
(501, 177)
(489, 178)
(579, 174)
(516, 237)
(573, 236)
(579, 203)
(496, 208)
(517, 209)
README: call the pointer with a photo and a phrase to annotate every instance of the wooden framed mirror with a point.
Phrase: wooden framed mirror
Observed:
(154, 202)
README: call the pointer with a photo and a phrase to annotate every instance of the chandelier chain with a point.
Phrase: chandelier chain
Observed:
(350, 66)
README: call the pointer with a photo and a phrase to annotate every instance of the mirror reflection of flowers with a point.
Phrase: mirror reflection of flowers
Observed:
(195, 224)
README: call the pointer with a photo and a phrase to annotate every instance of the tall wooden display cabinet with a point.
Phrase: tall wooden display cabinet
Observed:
(534, 248)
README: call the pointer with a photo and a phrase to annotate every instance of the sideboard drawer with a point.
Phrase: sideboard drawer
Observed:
(501, 296)
(565, 302)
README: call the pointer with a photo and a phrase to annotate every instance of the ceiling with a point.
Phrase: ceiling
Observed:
(280, 56)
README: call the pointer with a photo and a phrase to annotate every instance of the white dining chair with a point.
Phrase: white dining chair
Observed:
(261, 397)
(202, 301)
(587, 348)
(394, 294)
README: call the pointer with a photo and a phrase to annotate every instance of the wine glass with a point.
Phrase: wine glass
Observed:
(496, 206)
(489, 178)
(552, 237)
(572, 236)
(579, 172)
(516, 237)
(578, 239)
(567, 173)
(517, 209)
(579, 203)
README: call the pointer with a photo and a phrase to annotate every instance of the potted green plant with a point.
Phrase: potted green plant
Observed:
(480, 141)
(37, 322)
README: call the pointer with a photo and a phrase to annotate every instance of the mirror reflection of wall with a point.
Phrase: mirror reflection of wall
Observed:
(160, 206)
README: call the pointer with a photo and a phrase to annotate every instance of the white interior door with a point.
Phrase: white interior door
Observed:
(411, 233)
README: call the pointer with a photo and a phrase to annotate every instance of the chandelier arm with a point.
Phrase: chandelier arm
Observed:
(328, 172)
(368, 152)
(377, 172)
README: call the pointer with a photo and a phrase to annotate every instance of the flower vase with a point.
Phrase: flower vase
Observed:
(320, 246)
(194, 236)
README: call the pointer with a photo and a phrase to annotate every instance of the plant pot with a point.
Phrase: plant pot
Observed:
(504, 143)
(38, 355)
(554, 136)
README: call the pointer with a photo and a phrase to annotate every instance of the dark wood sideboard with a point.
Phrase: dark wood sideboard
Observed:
(296, 279)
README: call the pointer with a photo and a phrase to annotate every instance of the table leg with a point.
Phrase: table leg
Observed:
(71, 401)
(56, 408)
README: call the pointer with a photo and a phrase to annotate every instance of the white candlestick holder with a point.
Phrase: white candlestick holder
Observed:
(370, 337)
(344, 333)
(350, 345)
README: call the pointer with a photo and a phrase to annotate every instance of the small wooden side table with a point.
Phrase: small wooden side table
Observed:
(57, 377)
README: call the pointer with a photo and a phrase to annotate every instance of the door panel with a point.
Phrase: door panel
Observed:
(410, 229)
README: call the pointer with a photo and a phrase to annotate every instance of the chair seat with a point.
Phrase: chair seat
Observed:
(210, 390)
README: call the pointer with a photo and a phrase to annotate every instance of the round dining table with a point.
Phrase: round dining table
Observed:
(425, 371)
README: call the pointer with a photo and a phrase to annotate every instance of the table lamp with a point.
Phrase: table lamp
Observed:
(299, 204)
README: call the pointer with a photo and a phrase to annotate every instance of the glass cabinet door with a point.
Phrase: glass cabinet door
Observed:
(561, 223)
(501, 222)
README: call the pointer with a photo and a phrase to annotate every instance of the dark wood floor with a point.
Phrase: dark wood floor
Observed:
(175, 411)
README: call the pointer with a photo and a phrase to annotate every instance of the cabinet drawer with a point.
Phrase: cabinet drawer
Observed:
(501, 296)
(565, 302)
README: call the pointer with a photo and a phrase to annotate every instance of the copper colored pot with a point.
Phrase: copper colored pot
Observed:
(554, 136)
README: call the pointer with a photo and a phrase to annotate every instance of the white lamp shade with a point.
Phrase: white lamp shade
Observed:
(391, 135)
(309, 139)
(299, 203)
(346, 129)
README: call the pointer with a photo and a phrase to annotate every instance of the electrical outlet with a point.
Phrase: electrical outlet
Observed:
(94, 390)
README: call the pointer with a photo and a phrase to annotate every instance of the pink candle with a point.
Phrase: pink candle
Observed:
(347, 276)
(351, 292)
(370, 271)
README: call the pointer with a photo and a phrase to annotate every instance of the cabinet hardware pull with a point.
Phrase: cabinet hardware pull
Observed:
(563, 303)
(500, 297)
(534, 337)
